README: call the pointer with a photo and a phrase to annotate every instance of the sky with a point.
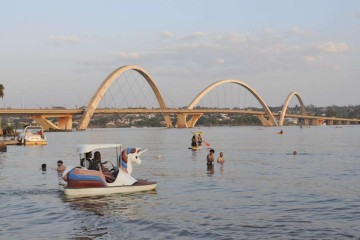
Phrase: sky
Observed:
(57, 53)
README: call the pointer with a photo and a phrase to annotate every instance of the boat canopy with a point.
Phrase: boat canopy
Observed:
(84, 148)
(32, 127)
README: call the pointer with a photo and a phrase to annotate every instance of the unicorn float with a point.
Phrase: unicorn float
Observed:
(81, 180)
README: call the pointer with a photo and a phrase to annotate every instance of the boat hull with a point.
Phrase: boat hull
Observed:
(195, 148)
(82, 181)
(28, 143)
(140, 186)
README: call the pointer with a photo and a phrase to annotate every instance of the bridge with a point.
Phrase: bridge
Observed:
(186, 117)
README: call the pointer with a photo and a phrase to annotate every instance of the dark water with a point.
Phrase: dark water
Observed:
(261, 191)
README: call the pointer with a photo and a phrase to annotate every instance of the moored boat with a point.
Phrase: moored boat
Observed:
(32, 135)
(82, 180)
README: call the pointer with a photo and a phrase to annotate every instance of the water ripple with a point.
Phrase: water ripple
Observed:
(261, 192)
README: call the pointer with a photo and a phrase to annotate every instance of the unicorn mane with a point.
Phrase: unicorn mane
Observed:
(129, 155)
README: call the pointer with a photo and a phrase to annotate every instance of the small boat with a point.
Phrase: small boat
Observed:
(32, 135)
(197, 141)
(80, 180)
(194, 148)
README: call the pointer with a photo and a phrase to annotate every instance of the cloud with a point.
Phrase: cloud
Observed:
(201, 51)
(196, 36)
(232, 53)
(333, 47)
(64, 39)
(314, 59)
(129, 55)
(167, 35)
(234, 38)
(337, 67)
(309, 59)
(299, 31)
(220, 61)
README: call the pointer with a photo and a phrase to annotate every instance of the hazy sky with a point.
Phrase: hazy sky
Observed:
(58, 52)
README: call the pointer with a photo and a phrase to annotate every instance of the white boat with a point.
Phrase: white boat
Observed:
(80, 180)
(32, 135)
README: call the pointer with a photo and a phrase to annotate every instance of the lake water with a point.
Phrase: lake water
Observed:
(261, 191)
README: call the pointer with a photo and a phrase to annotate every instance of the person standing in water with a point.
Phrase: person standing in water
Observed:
(220, 159)
(210, 157)
(61, 167)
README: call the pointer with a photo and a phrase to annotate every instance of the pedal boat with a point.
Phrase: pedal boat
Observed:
(82, 181)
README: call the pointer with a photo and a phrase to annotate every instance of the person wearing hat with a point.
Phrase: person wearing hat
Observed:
(210, 157)
(61, 167)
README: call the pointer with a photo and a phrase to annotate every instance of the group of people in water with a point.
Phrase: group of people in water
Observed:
(196, 140)
(60, 167)
(210, 157)
(96, 164)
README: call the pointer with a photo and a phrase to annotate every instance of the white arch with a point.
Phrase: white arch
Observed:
(286, 104)
(253, 92)
(94, 102)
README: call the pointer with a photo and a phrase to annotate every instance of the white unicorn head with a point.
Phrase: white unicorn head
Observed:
(129, 155)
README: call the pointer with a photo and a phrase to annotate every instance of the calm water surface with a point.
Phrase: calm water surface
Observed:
(261, 191)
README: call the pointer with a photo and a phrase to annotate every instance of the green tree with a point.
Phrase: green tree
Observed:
(2, 91)
(331, 112)
(2, 96)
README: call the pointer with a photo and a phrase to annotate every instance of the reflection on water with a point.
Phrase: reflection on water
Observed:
(123, 205)
(210, 170)
(221, 167)
(262, 191)
(97, 205)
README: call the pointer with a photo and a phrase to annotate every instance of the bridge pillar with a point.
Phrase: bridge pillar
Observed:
(193, 120)
(265, 122)
(181, 120)
(183, 123)
(168, 121)
(43, 122)
(317, 122)
(65, 123)
(306, 122)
